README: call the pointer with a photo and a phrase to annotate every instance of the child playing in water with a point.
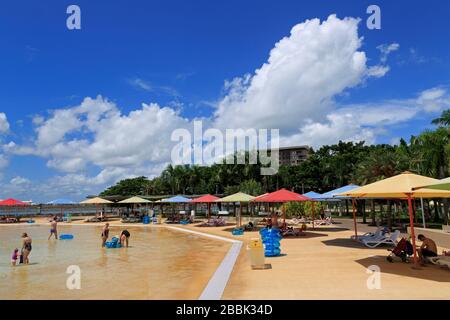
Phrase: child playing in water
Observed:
(14, 257)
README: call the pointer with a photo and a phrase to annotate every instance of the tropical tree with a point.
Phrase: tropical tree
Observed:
(444, 119)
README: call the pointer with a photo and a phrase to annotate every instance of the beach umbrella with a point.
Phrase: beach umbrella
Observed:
(208, 199)
(443, 184)
(134, 200)
(334, 195)
(260, 196)
(13, 202)
(283, 196)
(96, 201)
(401, 186)
(176, 199)
(60, 201)
(240, 198)
(313, 195)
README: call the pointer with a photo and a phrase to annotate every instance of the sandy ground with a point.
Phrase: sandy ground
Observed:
(326, 264)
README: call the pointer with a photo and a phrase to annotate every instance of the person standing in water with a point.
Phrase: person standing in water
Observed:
(26, 247)
(105, 234)
(124, 236)
(53, 229)
(14, 257)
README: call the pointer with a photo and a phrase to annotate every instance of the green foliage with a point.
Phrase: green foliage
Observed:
(304, 209)
(444, 119)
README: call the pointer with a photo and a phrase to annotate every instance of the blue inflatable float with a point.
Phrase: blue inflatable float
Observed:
(237, 232)
(66, 237)
(114, 243)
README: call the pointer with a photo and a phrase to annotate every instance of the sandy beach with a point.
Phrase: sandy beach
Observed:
(323, 264)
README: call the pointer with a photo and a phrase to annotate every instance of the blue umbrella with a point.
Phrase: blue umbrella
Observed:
(313, 195)
(176, 199)
(331, 195)
(61, 201)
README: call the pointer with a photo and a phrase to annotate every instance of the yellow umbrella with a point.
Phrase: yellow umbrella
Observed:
(237, 197)
(135, 200)
(400, 186)
(96, 200)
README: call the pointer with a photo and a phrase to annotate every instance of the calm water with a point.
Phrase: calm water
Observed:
(159, 264)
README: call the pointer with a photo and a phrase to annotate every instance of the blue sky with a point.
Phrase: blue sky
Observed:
(178, 54)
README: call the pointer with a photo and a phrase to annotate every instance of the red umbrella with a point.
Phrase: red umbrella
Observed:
(13, 202)
(206, 199)
(282, 196)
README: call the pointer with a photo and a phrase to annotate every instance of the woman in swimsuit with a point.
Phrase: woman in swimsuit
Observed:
(26, 247)
(124, 236)
(105, 234)
(53, 228)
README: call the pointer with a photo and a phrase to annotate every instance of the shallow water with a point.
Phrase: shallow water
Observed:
(159, 264)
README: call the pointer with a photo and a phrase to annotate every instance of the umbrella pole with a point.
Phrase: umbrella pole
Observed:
(284, 213)
(240, 215)
(209, 211)
(312, 209)
(354, 218)
(413, 236)
(423, 213)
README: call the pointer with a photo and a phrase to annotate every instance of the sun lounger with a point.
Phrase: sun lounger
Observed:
(290, 232)
(298, 221)
(376, 241)
(131, 220)
(379, 233)
(443, 261)
(9, 220)
(215, 222)
(323, 222)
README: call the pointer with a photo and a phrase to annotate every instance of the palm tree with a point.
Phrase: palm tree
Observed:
(443, 120)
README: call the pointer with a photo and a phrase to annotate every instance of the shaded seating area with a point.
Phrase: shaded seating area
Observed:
(97, 201)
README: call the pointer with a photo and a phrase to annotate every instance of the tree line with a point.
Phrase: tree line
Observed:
(327, 168)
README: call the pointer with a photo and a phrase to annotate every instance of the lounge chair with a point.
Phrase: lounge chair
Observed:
(96, 219)
(291, 232)
(323, 222)
(8, 220)
(298, 221)
(443, 261)
(131, 220)
(376, 241)
(379, 233)
(214, 222)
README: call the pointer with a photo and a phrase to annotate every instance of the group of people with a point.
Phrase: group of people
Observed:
(123, 238)
(22, 256)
